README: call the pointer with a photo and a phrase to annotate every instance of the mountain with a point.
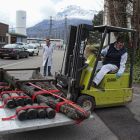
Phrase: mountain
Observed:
(73, 11)
(71, 15)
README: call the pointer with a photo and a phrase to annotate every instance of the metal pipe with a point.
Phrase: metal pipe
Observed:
(98, 56)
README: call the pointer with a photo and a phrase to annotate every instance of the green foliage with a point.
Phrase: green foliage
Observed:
(98, 19)
(94, 37)
(138, 56)
(136, 74)
(136, 71)
(137, 65)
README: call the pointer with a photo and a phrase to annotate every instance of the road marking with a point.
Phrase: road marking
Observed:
(12, 64)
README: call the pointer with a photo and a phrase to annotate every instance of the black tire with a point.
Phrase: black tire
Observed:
(17, 57)
(27, 55)
(87, 102)
(37, 53)
(1, 57)
(32, 54)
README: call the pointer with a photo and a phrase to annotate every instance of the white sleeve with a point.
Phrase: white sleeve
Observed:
(105, 50)
(122, 63)
(52, 49)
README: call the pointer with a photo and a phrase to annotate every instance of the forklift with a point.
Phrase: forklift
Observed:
(77, 73)
(75, 80)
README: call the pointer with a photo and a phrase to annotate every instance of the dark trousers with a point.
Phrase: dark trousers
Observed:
(45, 69)
(49, 71)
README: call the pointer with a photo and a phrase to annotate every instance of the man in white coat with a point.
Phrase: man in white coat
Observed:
(115, 59)
(47, 57)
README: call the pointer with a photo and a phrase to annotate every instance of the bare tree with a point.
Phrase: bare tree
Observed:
(117, 12)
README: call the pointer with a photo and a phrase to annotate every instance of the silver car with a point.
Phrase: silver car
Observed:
(32, 49)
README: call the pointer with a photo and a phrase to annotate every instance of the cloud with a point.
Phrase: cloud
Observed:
(56, 1)
(85, 4)
(47, 11)
(37, 10)
(4, 19)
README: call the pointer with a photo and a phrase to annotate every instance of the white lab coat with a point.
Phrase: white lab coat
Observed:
(47, 54)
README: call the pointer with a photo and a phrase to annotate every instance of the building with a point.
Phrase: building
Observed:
(3, 32)
(35, 40)
(15, 37)
(55, 42)
(21, 22)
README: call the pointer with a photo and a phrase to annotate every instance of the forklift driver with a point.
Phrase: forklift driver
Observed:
(115, 59)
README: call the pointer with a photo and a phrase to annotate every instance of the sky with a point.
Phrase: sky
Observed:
(37, 10)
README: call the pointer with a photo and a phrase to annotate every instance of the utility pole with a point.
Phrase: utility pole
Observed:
(65, 32)
(50, 28)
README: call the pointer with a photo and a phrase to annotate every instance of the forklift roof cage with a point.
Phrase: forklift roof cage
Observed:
(107, 30)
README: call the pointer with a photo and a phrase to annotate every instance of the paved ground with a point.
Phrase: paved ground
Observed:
(119, 123)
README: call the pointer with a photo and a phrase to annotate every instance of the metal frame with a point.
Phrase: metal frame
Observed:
(74, 57)
(14, 126)
(109, 29)
(98, 56)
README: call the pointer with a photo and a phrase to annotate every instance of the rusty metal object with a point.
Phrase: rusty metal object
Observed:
(66, 108)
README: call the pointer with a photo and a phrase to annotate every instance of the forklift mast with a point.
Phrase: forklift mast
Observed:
(70, 47)
(74, 59)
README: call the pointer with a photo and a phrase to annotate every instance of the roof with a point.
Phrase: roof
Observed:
(4, 24)
(102, 28)
(17, 34)
(113, 29)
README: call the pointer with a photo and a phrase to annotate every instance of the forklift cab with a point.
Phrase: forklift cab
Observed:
(78, 74)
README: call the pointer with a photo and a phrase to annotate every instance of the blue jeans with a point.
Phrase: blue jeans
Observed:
(45, 69)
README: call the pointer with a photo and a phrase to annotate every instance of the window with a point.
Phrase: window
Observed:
(2, 39)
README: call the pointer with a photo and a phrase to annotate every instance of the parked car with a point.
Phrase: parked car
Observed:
(20, 43)
(14, 51)
(32, 49)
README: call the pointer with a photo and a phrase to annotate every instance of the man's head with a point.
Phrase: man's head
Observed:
(47, 41)
(120, 42)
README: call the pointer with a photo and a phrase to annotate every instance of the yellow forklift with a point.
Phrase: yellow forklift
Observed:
(77, 73)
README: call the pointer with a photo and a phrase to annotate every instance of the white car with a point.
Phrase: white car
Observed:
(32, 49)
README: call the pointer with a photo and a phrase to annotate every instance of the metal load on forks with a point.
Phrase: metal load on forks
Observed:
(35, 104)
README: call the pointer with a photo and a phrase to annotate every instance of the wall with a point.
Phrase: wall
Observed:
(3, 31)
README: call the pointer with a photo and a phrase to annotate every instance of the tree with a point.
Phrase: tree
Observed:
(118, 12)
(96, 36)
(98, 19)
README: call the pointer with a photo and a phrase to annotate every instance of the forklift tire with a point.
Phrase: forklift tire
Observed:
(87, 102)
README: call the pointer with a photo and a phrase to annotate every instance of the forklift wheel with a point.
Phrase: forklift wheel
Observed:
(86, 102)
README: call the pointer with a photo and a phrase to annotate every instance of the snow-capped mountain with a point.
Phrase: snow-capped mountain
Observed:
(73, 11)
(75, 16)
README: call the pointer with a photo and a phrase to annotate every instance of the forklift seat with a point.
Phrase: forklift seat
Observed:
(110, 82)
(113, 72)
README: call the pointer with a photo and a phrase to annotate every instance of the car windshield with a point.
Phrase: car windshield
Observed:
(11, 46)
(30, 47)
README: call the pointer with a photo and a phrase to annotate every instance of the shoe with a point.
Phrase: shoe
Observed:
(50, 74)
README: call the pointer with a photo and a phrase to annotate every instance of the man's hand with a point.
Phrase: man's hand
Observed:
(118, 74)
(103, 53)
